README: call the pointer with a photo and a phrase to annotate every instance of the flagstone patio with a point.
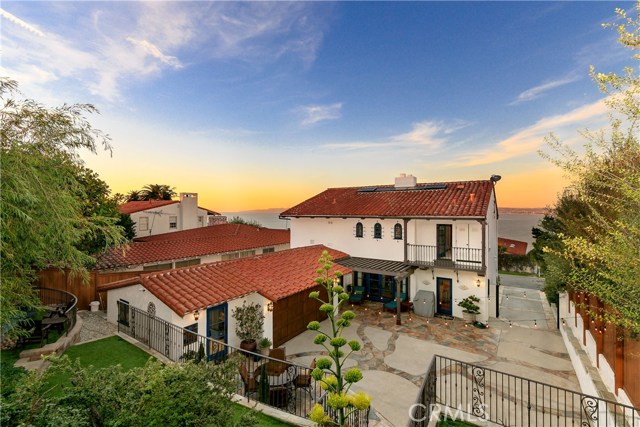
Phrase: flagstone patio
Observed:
(394, 358)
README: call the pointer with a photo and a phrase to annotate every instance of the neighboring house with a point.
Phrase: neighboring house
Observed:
(513, 247)
(192, 247)
(166, 216)
(439, 237)
(202, 298)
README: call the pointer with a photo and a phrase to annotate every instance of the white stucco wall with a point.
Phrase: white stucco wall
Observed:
(140, 299)
(187, 218)
(339, 233)
(463, 285)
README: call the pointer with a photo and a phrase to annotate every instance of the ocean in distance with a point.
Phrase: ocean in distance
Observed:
(515, 226)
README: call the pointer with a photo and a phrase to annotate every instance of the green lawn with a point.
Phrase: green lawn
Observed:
(448, 422)
(115, 350)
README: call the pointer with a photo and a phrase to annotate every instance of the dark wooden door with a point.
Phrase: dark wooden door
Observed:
(444, 291)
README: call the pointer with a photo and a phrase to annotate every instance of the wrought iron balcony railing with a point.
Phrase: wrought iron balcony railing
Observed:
(454, 258)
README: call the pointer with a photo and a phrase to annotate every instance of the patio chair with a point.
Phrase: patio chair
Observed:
(248, 381)
(37, 334)
(277, 368)
(393, 305)
(303, 380)
(357, 296)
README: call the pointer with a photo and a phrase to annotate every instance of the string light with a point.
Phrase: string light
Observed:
(535, 323)
(510, 325)
(563, 322)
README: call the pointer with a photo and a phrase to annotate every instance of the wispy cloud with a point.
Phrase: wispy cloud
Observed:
(537, 91)
(423, 134)
(313, 114)
(96, 48)
(529, 139)
(21, 23)
(154, 51)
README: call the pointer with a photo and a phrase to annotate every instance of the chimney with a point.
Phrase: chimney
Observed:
(472, 198)
(405, 181)
(188, 211)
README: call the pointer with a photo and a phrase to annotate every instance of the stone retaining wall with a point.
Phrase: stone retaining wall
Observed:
(58, 347)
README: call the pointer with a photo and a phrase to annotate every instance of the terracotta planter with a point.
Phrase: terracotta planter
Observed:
(249, 345)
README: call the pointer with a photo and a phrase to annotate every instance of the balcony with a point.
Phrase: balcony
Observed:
(467, 259)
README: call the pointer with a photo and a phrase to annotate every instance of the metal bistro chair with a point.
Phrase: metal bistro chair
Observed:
(303, 380)
(248, 381)
(273, 367)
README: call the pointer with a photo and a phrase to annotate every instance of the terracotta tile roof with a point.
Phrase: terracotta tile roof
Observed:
(276, 275)
(446, 199)
(513, 247)
(132, 207)
(192, 243)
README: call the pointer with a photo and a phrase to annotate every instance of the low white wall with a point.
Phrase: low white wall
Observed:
(605, 371)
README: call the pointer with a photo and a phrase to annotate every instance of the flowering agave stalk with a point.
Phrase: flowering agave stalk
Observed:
(338, 381)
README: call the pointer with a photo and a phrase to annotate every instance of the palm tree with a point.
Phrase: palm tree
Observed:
(157, 192)
(133, 196)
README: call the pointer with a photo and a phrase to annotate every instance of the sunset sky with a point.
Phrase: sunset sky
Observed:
(259, 105)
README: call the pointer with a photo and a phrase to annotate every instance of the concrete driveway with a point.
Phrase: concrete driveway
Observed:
(394, 358)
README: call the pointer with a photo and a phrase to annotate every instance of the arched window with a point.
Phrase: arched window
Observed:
(377, 231)
(359, 230)
(397, 232)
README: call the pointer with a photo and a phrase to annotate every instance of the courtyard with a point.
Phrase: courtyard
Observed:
(394, 358)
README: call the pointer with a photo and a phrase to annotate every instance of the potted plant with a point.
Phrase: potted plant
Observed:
(265, 344)
(470, 308)
(249, 324)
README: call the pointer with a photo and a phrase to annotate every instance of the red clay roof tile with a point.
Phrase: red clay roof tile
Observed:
(276, 275)
(447, 199)
(513, 247)
(192, 243)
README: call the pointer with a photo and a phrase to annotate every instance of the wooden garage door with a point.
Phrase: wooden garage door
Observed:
(291, 315)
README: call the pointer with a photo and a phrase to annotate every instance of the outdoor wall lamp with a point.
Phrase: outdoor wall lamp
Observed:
(196, 314)
(478, 282)
(270, 306)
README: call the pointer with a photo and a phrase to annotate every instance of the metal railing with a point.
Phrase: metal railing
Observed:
(67, 302)
(475, 393)
(459, 258)
(291, 388)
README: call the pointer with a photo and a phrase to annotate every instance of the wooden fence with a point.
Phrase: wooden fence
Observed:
(619, 348)
(85, 291)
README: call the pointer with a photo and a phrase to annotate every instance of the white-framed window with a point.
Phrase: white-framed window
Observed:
(268, 250)
(245, 254)
(397, 232)
(173, 222)
(377, 231)
(143, 223)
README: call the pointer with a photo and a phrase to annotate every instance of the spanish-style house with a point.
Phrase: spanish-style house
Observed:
(166, 216)
(192, 247)
(201, 298)
(437, 237)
